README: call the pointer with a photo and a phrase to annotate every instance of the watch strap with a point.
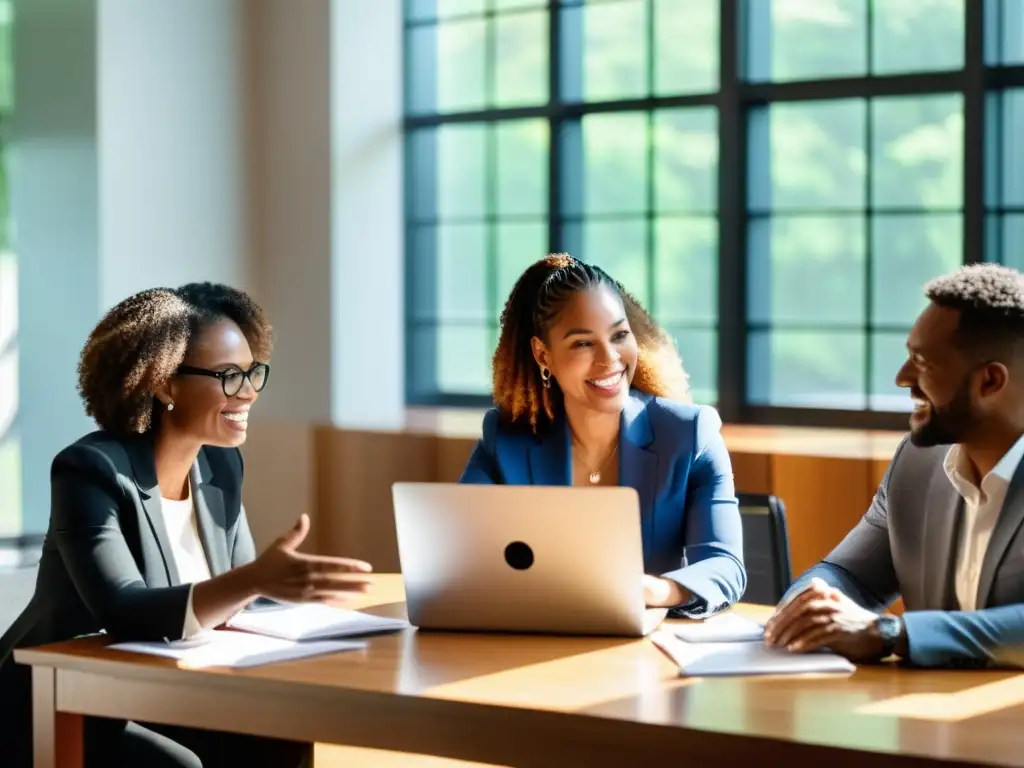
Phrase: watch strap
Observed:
(889, 629)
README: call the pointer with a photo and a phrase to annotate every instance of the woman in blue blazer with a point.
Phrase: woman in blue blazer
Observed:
(590, 391)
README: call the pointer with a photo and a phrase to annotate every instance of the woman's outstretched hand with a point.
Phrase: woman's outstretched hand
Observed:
(283, 573)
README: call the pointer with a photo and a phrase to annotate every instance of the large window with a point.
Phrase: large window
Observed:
(775, 179)
(10, 465)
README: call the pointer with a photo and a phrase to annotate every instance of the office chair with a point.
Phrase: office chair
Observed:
(765, 548)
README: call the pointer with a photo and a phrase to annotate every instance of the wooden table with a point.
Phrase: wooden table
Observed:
(538, 701)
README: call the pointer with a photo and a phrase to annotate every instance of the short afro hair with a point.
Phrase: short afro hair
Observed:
(990, 300)
(139, 344)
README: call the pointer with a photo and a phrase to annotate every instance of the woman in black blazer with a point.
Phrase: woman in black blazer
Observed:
(148, 537)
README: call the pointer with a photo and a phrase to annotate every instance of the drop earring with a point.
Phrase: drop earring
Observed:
(545, 376)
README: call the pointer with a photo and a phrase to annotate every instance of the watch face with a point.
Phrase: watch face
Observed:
(889, 628)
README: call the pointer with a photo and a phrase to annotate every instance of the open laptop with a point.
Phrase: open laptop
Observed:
(523, 559)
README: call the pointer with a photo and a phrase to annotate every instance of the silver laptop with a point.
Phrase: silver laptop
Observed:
(522, 559)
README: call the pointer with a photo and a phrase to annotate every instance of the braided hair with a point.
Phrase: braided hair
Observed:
(139, 344)
(533, 307)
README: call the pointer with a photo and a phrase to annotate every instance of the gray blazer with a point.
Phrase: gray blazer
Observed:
(906, 545)
(107, 562)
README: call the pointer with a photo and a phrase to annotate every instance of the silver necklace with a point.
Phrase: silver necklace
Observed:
(595, 474)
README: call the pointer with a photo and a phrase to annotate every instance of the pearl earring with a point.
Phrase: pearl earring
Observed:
(170, 406)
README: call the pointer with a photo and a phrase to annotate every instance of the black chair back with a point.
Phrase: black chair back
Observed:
(765, 548)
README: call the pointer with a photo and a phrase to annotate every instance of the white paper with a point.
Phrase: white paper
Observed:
(312, 621)
(237, 649)
(723, 628)
(745, 658)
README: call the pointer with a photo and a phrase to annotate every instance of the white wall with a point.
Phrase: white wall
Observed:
(251, 142)
(127, 172)
(290, 159)
(368, 306)
(171, 145)
(326, 157)
(325, 160)
(53, 180)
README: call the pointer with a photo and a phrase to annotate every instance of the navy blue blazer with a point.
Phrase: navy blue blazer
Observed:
(674, 456)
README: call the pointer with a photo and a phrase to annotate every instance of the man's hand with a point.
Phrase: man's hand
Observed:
(822, 616)
(660, 592)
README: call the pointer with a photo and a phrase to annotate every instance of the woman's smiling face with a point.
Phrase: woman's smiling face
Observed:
(201, 408)
(591, 350)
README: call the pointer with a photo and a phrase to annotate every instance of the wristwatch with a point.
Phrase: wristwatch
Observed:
(890, 628)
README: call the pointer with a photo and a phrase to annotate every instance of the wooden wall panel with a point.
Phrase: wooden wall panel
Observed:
(280, 482)
(452, 455)
(355, 472)
(824, 499)
(825, 496)
(752, 472)
(878, 468)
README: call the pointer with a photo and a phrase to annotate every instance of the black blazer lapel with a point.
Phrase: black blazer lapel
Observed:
(1010, 518)
(210, 517)
(140, 451)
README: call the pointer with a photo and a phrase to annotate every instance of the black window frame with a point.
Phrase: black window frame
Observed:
(734, 99)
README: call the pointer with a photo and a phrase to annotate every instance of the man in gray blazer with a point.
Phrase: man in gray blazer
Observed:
(945, 528)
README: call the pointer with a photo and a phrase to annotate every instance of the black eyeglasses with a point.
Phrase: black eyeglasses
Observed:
(232, 379)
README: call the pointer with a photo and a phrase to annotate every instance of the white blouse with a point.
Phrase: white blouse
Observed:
(187, 550)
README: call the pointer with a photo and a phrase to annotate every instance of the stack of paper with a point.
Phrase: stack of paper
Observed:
(272, 632)
(723, 628)
(312, 621)
(237, 649)
(711, 659)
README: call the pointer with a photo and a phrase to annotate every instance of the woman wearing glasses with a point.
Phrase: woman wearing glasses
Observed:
(148, 538)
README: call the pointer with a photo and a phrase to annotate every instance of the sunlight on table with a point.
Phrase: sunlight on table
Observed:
(954, 706)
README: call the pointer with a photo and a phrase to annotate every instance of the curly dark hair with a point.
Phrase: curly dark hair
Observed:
(537, 298)
(990, 300)
(140, 343)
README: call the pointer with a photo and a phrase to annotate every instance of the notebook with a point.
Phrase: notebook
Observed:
(311, 621)
(218, 648)
(742, 658)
